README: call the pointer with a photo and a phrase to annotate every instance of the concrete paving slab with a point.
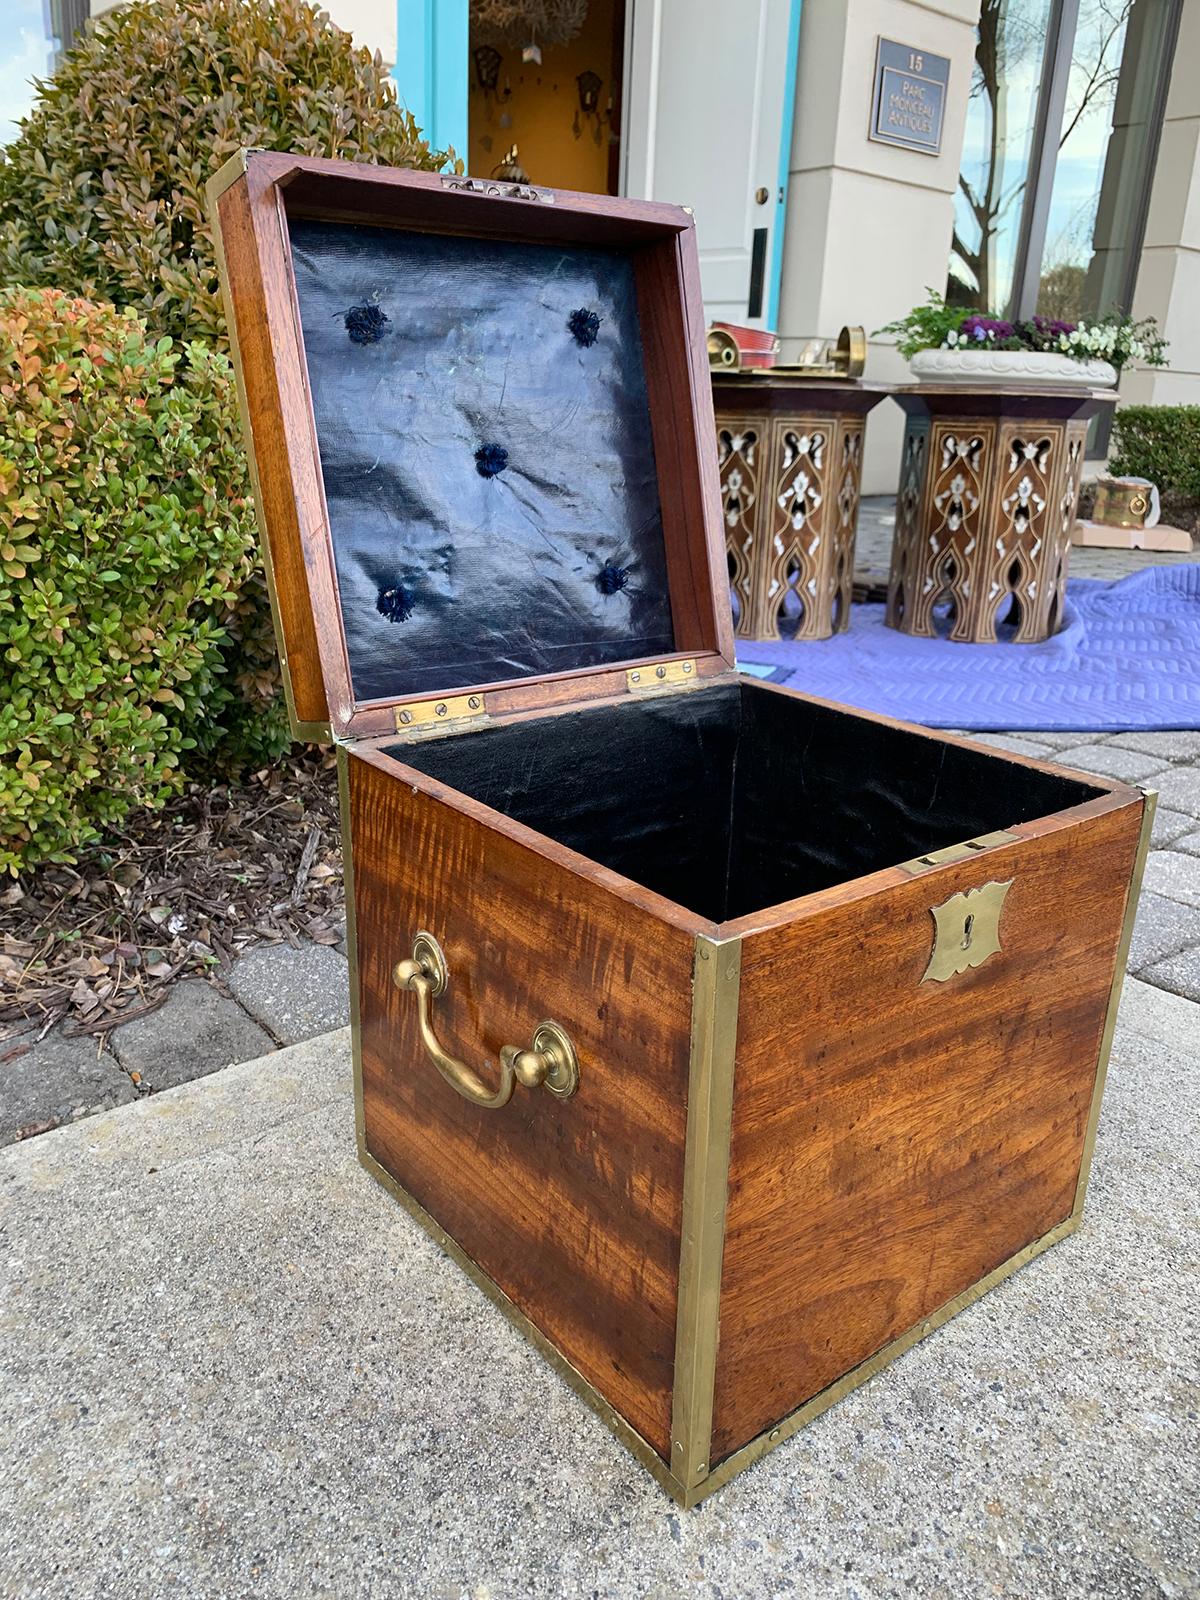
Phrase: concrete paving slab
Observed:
(234, 1367)
(1162, 927)
(1189, 843)
(56, 1079)
(1110, 761)
(1160, 1018)
(196, 1031)
(1175, 875)
(297, 994)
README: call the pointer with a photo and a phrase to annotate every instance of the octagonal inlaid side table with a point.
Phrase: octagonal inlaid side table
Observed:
(790, 448)
(989, 489)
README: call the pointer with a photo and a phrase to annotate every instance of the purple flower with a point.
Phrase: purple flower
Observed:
(1062, 327)
(981, 328)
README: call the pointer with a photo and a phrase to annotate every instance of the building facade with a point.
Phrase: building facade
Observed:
(842, 157)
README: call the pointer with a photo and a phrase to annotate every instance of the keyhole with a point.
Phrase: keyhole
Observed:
(967, 926)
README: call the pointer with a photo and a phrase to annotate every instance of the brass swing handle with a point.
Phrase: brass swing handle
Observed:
(550, 1062)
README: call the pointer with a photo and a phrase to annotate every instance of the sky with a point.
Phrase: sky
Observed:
(26, 53)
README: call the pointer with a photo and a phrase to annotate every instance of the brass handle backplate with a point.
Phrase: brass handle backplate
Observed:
(550, 1061)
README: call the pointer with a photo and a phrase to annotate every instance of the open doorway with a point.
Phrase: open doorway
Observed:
(545, 79)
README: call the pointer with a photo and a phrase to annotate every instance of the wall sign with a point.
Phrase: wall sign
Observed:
(910, 97)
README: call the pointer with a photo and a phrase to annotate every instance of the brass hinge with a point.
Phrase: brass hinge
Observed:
(450, 711)
(663, 675)
(957, 852)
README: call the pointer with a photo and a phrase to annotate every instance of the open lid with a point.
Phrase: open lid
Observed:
(481, 422)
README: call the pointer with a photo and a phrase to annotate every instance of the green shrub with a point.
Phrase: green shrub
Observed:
(102, 192)
(1161, 443)
(102, 195)
(123, 538)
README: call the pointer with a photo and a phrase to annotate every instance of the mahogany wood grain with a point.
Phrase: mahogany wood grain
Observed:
(573, 1207)
(253, 215)
(670, 308)
(893, 1140)
(550, 691)
(258, 300)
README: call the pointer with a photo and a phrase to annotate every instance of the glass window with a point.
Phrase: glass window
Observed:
(1105, 150)
(1001, 114)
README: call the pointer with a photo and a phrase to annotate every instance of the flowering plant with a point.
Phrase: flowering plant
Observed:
(1115, 339)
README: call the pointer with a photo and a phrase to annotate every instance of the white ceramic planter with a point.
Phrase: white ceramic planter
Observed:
(1041, 369)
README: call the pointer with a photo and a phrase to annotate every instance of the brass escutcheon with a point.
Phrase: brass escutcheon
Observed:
(967, 930)
(549, 1063)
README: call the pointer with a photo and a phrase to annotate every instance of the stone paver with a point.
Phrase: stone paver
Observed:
(55, 1080)
(1178, 973)
(1177, 876)
(1017, 744)
(294, 993)
(1063, 741)
(1162, 928)
(1169, 827)
(196, 1031)
(1181, 745)
(1179, 789)
(1189, 843)
(234, 1367)
(1111, 761)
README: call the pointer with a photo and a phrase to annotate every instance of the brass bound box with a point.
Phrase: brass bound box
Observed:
(730, 1039)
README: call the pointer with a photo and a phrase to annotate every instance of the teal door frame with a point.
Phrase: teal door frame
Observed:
(785, 158)
(432, 45)
(433, 61)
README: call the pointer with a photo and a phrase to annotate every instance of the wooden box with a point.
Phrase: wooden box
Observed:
(807, 1011)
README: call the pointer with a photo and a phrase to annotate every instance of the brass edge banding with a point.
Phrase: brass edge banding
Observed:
(224, 179)
(1150, 801)
(685, 1495)
(343, 768)
(716, 986)
(226, 175)
(640, 1448)
(841, 1387)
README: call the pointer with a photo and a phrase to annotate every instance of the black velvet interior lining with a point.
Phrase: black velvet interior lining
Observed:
(731, 799)
(484, 433)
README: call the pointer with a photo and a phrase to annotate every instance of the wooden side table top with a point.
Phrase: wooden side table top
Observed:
(768, 390)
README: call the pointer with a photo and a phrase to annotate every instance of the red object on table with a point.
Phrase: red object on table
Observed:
(758, 347)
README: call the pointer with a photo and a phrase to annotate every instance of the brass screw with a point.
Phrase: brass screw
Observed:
(773, 1435)
(687, 667)
(473, 702)
(660, 672)
(406, 716)
(635, 677)
(440, 710)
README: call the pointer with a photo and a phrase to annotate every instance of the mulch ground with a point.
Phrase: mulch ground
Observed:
(177, 892)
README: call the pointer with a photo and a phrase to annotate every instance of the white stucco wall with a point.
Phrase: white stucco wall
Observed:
(868, 225)
(1168, 284)
(372, 22)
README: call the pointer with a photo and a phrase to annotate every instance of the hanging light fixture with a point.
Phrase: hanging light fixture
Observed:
(530, 23)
